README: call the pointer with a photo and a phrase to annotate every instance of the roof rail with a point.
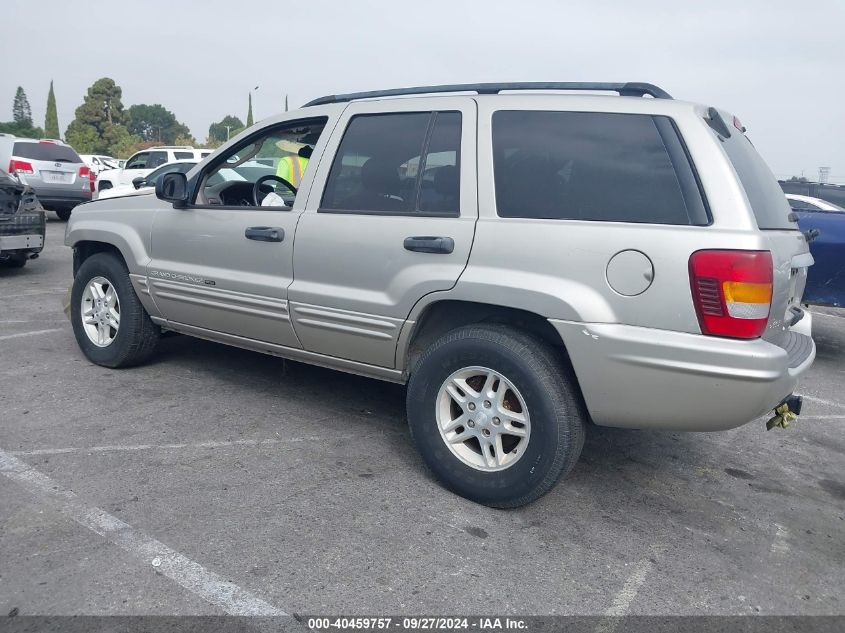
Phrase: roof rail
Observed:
(629, 89)
(171, 147)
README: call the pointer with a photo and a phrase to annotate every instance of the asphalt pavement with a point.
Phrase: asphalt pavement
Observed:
(215, 480)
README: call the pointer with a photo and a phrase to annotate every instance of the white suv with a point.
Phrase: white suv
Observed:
(143, 162)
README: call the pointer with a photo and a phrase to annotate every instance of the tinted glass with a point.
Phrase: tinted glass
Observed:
(183, 168)
(440, 180)
(183, 155)
(373, 169)
(46, 151)
(593, 166)
(157, 158)
(138, 161)
(761, 187)
(800, 205)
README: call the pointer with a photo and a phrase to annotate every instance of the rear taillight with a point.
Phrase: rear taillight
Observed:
(84, 171)
(92, 180)
(732, 292)
(20, 167)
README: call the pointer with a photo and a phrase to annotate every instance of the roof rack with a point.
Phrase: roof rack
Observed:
(171, 147)
(629, 89)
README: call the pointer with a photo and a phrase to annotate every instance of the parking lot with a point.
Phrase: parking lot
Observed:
(216, 480)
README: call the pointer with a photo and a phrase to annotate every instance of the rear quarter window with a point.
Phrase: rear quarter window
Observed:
(594, 166)
(46, 151)
(770, 206)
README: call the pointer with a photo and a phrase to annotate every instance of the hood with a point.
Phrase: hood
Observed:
(124, 191)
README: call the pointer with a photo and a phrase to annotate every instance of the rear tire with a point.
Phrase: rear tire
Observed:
(64, 214)
(14, 261)
(520, 369)
(135, 338)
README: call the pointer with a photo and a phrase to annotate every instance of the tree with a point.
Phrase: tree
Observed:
(249, 120)
(51, 120)
(91, 132)
(24, 131)
(155, 123)
(222, 131)
(21, 112)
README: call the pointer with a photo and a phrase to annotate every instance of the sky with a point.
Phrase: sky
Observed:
(778, 65)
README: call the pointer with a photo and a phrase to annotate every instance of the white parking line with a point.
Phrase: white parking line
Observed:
(22, 334)
(231, 598)
(147, 447)
(622, 601)
(780, 544)
(830, 403)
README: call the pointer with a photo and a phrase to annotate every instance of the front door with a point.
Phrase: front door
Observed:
(224, 264)
(390, 218)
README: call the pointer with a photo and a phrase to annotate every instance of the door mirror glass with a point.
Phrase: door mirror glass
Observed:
(173, 188)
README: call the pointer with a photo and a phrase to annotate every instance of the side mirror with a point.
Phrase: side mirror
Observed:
(139, 182)
(173, 188)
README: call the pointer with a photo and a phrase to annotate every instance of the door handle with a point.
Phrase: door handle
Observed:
(430, 244)
(265, 233)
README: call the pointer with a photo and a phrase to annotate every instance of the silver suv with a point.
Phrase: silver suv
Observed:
(527, 263)
(53, 169)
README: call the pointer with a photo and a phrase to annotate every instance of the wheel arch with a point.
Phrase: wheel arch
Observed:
(441, 316)
(84, 249)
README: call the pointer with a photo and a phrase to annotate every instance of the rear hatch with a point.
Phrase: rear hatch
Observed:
(48, 167)
(790, 251)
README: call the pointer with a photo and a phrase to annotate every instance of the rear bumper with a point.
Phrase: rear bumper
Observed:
(21, 243)
(636, 377)
(56, 201)
(22, 232)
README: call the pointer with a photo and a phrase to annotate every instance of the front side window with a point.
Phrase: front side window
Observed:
(397, 163)
(278, 157)
(593, 166)
(138, 161)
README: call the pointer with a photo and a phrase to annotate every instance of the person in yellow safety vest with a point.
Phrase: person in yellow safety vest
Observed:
(292, 167)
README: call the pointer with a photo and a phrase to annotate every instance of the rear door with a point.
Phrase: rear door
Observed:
(790, 251)
(390, 219)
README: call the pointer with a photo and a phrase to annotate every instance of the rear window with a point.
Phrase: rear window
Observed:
(593, 166)
(46, 151)
(767, 201)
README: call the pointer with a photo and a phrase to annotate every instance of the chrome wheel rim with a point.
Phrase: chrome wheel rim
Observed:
(483, 419)
(100, 312)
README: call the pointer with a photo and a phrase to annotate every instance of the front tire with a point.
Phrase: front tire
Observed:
(494, 414)
(110, 324)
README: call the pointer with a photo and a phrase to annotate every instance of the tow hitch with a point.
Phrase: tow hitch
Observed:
(786, 412)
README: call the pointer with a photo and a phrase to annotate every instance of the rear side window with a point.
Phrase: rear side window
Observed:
(183, 155)
(593, 166)
(397, 163)
(46, 151)
(767, 201)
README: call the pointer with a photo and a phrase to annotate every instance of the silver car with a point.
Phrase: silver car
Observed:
(527, 263)
(53, 169)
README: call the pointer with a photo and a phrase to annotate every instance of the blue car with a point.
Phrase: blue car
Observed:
(826, 278)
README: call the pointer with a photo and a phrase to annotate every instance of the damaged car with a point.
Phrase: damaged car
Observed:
(22, 223)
